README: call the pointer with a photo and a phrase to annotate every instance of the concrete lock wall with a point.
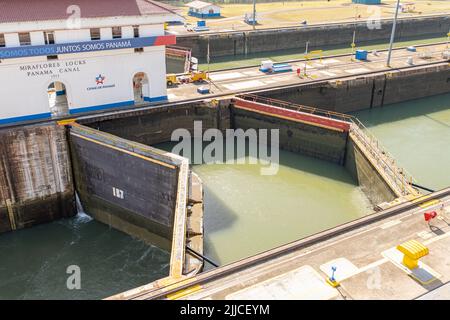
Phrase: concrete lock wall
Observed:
(124, 184)
(310, 140)
(367, 176)
(322, 143)
(35, 176)
(155, 125)
(362, 92)
(236, 43)
(321, 137)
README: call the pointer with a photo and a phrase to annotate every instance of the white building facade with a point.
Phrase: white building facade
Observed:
(54, 62)
(202, 9)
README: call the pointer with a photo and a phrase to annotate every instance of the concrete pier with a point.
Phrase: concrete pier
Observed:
(337, 83)
(35, 176)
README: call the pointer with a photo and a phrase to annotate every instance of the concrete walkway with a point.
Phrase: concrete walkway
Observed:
(250, 78)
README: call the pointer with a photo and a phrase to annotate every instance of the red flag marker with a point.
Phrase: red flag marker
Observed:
(429, 215)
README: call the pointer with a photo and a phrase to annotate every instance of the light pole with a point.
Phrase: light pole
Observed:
(254, 15)
(306, 56)
(208, 60)
(391, 43)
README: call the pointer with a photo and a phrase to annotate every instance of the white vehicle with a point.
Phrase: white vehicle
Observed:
(446, 54)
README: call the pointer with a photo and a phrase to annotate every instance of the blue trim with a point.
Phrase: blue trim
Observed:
(115, 105)
(80, 110)
(367, 1)
(156, 99)
(26, 118)
(61, 93)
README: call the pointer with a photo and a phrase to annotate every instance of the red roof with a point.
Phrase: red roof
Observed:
(42, 10)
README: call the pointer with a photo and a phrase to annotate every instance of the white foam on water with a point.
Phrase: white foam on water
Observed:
(82, 217)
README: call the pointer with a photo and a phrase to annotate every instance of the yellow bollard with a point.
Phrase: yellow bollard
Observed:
(412, 250)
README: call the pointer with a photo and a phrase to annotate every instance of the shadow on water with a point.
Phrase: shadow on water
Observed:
(417, 134)
(316, 167)
(224, 218)
(410, 109)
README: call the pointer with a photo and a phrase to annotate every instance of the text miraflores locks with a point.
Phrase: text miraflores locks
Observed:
(51, 68)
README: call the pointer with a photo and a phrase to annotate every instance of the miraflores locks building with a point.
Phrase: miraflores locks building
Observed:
(60, 57)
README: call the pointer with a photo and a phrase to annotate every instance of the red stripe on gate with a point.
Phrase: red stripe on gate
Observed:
(292, 115)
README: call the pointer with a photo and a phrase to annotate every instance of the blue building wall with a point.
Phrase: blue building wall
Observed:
(203, 15)
(367, 1)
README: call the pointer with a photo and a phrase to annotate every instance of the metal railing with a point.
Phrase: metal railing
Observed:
(398, 178)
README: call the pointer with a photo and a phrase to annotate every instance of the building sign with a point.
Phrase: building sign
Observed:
(88, 46)
(52, 68)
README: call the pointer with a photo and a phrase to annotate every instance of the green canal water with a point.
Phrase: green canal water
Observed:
(34, 261)
(245, 212)
(417, 134)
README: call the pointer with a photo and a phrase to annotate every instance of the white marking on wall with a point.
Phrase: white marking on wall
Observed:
(118, 193)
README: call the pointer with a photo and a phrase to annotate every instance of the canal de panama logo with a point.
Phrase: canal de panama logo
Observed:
(100, 79)
(100, 83)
